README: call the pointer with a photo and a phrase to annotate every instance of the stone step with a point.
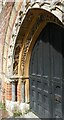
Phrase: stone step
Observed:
(29, 115)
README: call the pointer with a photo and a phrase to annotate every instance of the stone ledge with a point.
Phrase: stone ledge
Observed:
(11, 106)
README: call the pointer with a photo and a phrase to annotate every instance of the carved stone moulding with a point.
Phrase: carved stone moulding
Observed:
(43, 15)
(40, 15)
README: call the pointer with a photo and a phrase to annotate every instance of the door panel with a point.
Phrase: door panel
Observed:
(46, 74)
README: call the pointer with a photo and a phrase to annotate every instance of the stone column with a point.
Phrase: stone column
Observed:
(13, 91)
(23, 91)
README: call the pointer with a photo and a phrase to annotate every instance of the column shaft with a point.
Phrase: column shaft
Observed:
(23, 92)
(13, 91)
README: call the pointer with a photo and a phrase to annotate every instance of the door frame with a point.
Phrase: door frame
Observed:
(23, 66)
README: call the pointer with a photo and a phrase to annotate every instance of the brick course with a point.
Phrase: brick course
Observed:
(8, 91)
(19, 92)
(4, 19)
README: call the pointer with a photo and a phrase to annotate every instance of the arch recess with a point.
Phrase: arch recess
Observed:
(30, 19)
(26, 22)
(35, 20)
(56, 8)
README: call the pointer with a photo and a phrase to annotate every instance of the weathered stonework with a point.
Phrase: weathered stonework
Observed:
(53, 7)
(41, 17)
(23, 21)
(4, 19)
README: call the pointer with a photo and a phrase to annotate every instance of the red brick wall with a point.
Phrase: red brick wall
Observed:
(8, 91)
(19, 92)
(4, 19)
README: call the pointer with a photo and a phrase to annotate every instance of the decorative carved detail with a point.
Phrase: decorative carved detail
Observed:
(15, 68)
(16, 57)
(20, 18)
(13, 40)
(63, 17)
(41, 18)
(54, 2)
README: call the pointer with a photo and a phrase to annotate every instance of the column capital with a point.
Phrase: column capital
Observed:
(16, 78)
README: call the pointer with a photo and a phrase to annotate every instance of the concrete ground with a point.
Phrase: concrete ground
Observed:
(29, 115)
(3, 114)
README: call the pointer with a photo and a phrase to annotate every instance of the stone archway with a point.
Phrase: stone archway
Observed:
(24, 19)
(37, 21)
(27, 20)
